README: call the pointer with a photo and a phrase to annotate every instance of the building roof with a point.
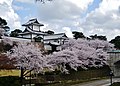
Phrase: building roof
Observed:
(54, 43)
(55, 36)
(114, 51)
(29, 30)
(32, 22)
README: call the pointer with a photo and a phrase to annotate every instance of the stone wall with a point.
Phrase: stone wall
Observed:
(78, 75)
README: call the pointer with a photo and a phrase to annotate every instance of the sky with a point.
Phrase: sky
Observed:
(91, 17)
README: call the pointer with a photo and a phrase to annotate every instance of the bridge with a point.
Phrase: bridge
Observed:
(114, 62)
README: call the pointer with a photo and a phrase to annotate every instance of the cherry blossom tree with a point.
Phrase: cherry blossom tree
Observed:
(7, 41)
(60, 60)
(76, 53)
(27, 56)
(101, 44)
(96, 44)
(81, 53)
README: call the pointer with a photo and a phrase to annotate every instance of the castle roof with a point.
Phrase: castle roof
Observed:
(55, 36)
(29, 30)
(32, 22)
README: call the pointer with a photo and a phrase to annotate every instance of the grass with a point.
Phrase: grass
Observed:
(9, 73)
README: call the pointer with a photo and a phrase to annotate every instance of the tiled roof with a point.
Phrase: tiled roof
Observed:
(33, 21)
(114, 51)
(54, 43)
(55, 36)
(29, 30)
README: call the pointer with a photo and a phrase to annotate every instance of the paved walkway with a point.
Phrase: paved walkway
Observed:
(105, 82)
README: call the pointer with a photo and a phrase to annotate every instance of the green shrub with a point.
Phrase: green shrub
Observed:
(9, 81)
(116, 84)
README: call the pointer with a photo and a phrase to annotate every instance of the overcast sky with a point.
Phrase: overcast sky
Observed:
(91, 17)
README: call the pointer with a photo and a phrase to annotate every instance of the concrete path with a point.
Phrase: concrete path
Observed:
(104, 82)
